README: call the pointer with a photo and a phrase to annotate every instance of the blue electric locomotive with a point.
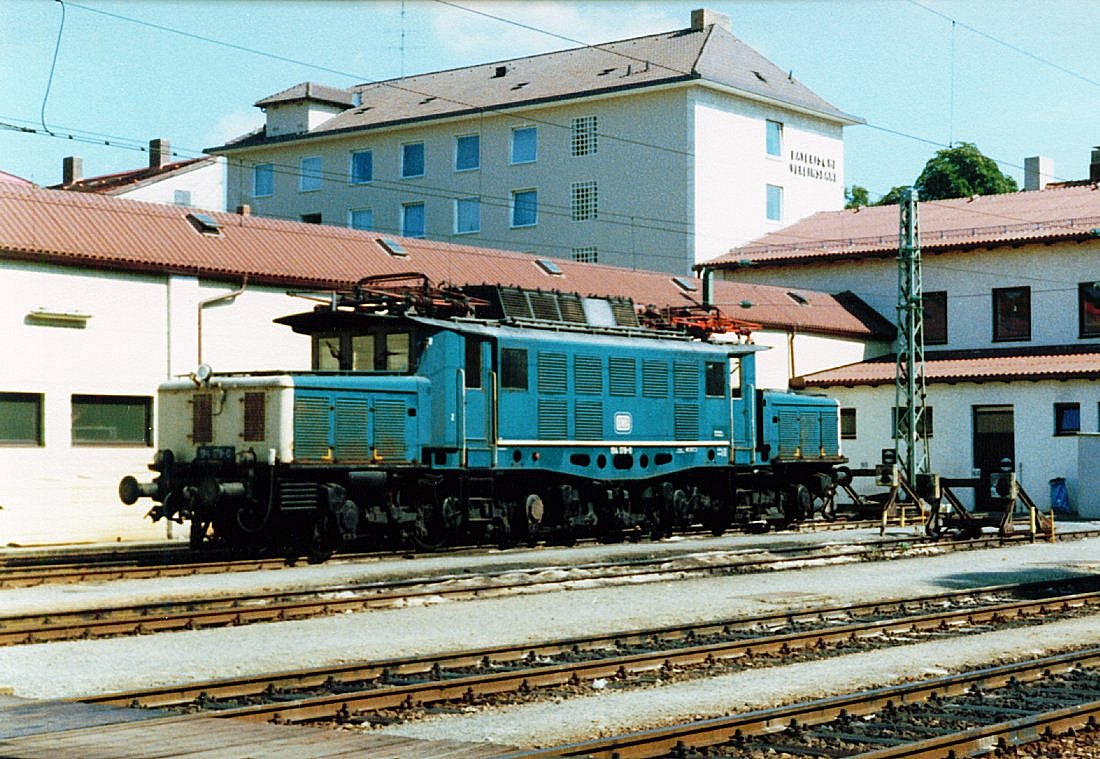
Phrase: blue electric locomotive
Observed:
(488, 414)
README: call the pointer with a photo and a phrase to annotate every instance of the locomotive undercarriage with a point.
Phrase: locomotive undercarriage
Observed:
(314, 510)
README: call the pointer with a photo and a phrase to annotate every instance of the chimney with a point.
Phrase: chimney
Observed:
(701, 18)
(1038, 172)
(160, 153)
(72, 169)
(1094, 166)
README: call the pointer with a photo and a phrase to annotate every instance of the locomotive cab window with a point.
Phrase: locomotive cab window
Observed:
(375, 351)
(513, 368)
(715, 375)
(735, 377)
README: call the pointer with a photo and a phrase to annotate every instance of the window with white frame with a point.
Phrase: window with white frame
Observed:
(362, 166)
(309, 173)
(774, 203)
(774, 138)
(263, 180)
(525, 208)
(467, 152)
(585, 140)
(584, 200)
(21, 419)
(361, 218)
(586, 255)
(412, 160)
(412, 219)
(467, 215)
(524, 144)
(182, 197)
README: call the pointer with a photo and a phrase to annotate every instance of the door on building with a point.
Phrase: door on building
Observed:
(994, 441)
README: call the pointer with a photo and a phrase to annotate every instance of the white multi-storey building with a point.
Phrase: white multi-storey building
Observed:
(1011, 329)
(652, 153)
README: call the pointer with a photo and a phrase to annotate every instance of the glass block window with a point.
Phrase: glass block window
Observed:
(525, 208)
(585, 199)
(21, 419)
(412, 160)
(586, 255)
(362, 166)
(309, 173)
(361, 218)
(584, 136)
(467, 215)
(467, 152)
(774, 203)
(524, 145)
(774, 138)
(412, 220)
(263, 180)
(112, 420)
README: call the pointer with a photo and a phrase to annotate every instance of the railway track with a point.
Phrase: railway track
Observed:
(197, 613)
(380, 691)
(954, 716)
(20, 570)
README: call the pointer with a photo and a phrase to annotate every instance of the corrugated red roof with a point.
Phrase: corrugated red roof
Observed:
(123, 180)
(1067, 213)
(101, 231)
(992, 365)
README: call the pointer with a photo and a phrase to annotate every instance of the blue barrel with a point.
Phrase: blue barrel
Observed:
(1059, 496)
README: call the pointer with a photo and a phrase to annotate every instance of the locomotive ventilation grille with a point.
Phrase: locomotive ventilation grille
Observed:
(553, 374)
(311, 421)
(389, 429)
(685, 379)
(297, 496)
(588, 419)
(622, 376)
(588, 375)
(255, 407)
(352, 418)
(654, 378)
(686, 424)
(202, 418)
(553, 422)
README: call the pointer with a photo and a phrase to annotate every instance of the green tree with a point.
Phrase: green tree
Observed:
(962, 171)
(856, 196)
(892, 198)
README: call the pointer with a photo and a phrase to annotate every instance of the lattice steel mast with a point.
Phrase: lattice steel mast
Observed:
(909, 392)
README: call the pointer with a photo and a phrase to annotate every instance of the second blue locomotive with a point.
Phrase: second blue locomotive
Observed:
(489, 414)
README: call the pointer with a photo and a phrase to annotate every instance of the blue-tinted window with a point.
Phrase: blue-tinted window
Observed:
(412, 159)
(467, 152)
(309, 173)
(775, 203)
(524, 145)
(525, 208)
(362, 218)
(775, 138)
(362, 166)
(263, 180)
(412, 220)
(467, 215)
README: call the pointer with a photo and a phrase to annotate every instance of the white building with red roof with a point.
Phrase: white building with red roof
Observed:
(1011, 327)
(102, 299)
(194, 182)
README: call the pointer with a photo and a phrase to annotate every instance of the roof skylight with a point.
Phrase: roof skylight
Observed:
(549, 267)
(205, 223)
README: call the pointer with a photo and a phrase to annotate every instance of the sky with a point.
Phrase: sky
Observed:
(100, 79)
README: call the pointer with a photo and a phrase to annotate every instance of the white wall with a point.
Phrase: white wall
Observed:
(1040, 454)
(140, 330)
(733, 168)
(205, 183)
(810, 353)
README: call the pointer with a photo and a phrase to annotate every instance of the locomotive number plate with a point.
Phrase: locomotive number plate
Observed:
(215, 453)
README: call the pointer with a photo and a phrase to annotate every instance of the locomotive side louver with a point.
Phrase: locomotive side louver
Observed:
(390, 418)
(790, 434)
(311, 421)
(622, 376)
(553, 422)
(686, 426)
(202, 419)
(685, 379)
(588, 420)
(553, 374)
(810, 443)
(352, 417)
(255, 416)
(654, 378)
(830, 436)
(588, 375)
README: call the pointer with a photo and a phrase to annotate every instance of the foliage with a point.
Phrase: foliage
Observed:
(891, 198)
(856, 196)
(960, 172)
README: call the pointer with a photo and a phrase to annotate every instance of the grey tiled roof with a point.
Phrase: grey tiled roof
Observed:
(711, 55)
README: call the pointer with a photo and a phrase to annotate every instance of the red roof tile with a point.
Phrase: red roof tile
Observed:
(993, 365)
(1069, 213)
(94, 230)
